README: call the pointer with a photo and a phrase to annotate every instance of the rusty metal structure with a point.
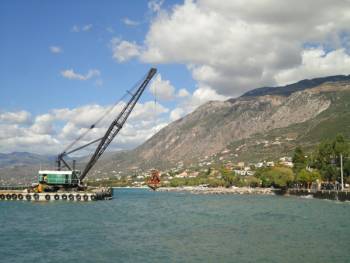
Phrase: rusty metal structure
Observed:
(154, 181)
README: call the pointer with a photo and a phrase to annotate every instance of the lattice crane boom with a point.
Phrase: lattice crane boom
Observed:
(117, 124)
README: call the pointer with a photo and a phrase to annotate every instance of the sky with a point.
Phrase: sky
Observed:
(65, 63)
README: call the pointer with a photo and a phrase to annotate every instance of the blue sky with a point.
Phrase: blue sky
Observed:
(32, 79)
(63, 63)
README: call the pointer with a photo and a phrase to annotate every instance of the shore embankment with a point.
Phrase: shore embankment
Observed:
(218, 190)
(321, 194)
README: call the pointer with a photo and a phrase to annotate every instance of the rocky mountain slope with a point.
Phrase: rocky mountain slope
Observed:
(263, 123)
(298, 86)
(215, 125)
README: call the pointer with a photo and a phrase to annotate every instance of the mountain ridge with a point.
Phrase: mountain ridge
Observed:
(214, 125)
(240, 123)
(304, 84)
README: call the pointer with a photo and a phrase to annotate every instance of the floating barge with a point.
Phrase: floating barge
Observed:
(94, 194)
(66, 183)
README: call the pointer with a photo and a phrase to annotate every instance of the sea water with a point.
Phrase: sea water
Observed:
(146, 226)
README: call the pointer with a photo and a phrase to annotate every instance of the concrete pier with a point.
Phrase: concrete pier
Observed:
(321, 194)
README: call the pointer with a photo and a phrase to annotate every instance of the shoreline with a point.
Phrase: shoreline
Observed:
(218, 190)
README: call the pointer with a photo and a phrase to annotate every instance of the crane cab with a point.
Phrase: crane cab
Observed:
(59, 178)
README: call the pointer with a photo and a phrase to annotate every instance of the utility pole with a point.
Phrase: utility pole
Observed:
(341, 172)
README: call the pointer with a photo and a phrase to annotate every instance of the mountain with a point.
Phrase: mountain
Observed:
(23, 158)
(263, 123)
(22, 167)
(298, 86)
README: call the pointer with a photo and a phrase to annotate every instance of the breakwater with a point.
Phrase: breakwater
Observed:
(218, 190)
(321, 194)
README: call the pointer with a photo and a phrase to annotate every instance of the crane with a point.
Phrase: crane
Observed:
(71, 178)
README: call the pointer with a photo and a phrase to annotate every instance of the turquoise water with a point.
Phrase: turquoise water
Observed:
(144, 226)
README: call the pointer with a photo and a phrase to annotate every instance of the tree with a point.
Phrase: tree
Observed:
(340, 146)
(228, 177)
(280, 177)
(347, 167)
(299, 160)
(260, 173)
(302, 177)
(327, 157)
(252, 181)
(208, 171)
(306, 177)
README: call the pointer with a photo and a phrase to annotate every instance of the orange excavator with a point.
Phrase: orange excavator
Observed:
(154, 181)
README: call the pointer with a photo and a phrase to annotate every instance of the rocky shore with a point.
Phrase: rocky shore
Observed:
(218, 190)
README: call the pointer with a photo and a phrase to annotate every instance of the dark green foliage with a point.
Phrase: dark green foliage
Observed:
(327, 157)
(279, 177)
(208, 171)
(340, 146)
(306, 177)
(229, 177)
(252, 181)
(347, 167)
(299, 159)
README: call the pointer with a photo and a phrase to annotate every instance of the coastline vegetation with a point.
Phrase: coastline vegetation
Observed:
(322, 165)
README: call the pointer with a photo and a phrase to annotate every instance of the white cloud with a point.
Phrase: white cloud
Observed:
(87, 27)
(162, 89)
(177, 113)
(234, 46)
(183, 93)
(130, 22)
(147, 111)
(110, 29)
(124, 50)
(200, 96)
(19, 117)
(43, 124)
(189, 103)
(155, 5)
(316, 63)
(205, 94)
(75, 29)
(71, 74)
(84, 28)
(55, 49)
(8, 131)
(82, 117)
(49, 133)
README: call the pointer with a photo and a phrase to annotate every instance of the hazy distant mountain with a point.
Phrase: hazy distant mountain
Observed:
(23, 158)
(22, 167)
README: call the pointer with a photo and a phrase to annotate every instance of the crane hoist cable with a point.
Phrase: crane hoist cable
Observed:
(115, 126)
(100, 119)
(155, 106)
(154, 180)
(117, 123)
